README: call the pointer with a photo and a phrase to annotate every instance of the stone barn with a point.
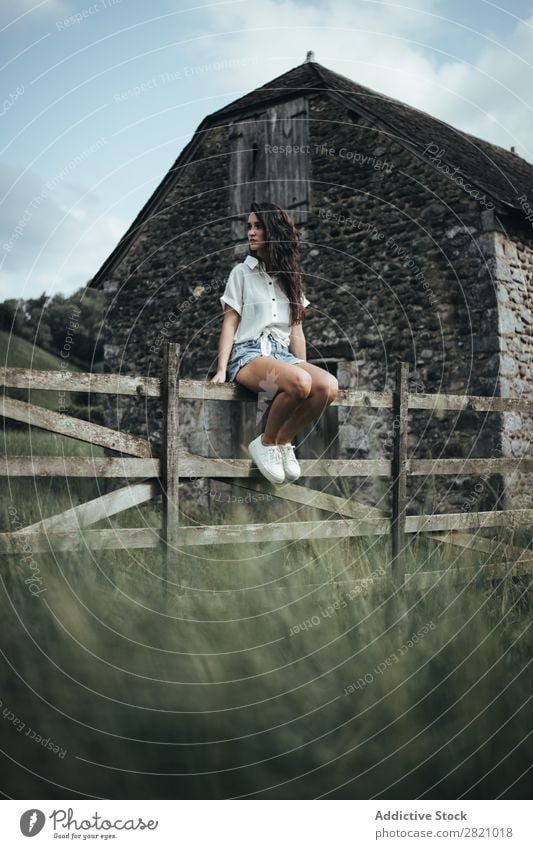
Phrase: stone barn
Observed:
(417, 245)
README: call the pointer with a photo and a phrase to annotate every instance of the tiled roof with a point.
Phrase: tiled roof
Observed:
(504, 175)
(501, 175)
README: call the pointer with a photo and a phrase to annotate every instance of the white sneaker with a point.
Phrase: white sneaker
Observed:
(291, 465)
(268, 460)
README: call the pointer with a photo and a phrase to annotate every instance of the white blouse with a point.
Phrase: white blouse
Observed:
(261, 303)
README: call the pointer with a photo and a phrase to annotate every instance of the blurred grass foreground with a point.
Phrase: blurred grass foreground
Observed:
(278, 676)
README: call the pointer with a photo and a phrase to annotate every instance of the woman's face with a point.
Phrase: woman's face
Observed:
(256, 234)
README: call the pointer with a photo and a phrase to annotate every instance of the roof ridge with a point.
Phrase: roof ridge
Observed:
(485, 147)
(325, 75)
(234, 105)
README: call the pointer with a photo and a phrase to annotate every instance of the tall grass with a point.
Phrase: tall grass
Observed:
(35, 498)
(272, 676)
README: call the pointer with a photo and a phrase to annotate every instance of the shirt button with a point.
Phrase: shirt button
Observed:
(273, 299)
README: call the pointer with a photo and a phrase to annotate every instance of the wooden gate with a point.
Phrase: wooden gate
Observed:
(161, 475)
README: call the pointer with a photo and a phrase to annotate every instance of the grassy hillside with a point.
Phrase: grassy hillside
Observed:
(19, 353)
(35, 493)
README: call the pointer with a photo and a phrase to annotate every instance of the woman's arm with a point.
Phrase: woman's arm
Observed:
(297, 341)
(227, 333)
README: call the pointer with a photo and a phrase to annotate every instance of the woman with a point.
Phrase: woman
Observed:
(262, 343)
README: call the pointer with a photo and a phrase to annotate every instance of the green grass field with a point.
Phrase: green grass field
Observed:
(268, 678)
(35, 496)
(19, 353)
(270, 687)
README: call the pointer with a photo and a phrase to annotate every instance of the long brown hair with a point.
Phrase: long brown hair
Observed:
(283, 239)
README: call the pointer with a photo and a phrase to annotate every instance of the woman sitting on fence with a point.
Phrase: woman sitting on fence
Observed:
(264, 303)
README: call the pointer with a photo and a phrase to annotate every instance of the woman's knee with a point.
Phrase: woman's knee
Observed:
(300, 385)
(326, 390)
(333, 389)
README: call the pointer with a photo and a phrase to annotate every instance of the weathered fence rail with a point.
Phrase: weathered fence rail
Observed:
(162, 475)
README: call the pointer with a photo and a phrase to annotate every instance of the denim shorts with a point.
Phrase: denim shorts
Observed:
(243, 352)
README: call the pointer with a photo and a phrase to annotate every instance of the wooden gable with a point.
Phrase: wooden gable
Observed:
(259, 172)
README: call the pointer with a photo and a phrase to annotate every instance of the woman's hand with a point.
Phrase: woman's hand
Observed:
(220, 377)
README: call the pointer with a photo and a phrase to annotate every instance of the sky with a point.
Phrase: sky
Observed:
(99, 98)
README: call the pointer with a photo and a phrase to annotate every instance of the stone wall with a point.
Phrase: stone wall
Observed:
(396, 267)
(167, 288)
(513, 271)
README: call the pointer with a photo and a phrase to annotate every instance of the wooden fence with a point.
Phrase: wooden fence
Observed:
(162, 475)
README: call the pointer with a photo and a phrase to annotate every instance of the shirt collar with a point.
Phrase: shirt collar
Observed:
(251, 261)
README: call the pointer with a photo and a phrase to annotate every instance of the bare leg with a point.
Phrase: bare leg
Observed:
(324, 390)
(301, 397)
(294, 386)
(280, 411)
(308, 410)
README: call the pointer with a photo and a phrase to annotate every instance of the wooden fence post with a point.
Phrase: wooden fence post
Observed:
(169, 455)
(400, 401)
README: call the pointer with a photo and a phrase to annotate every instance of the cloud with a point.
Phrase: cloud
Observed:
(409, 52)
(404, 52)
(48, 241)
(15, 12)
(491, 99)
